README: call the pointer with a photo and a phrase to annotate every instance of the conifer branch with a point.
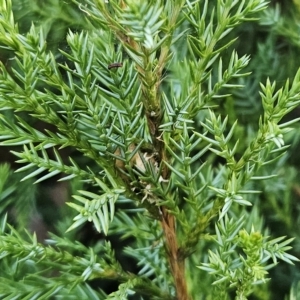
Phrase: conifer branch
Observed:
(162, 164)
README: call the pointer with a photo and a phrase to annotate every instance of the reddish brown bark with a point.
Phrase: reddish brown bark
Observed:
(176, 263)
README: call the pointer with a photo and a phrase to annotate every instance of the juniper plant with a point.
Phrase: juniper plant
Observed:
(138, 90)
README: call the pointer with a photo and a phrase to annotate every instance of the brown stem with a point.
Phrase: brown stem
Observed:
(176, 263)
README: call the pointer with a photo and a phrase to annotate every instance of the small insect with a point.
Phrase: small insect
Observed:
(115, 65)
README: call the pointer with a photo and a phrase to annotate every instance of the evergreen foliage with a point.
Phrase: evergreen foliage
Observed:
(172, 149)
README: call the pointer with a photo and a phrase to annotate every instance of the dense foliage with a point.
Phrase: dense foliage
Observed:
(168, 143)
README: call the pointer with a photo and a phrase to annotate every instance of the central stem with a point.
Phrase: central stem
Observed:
(176, 262)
